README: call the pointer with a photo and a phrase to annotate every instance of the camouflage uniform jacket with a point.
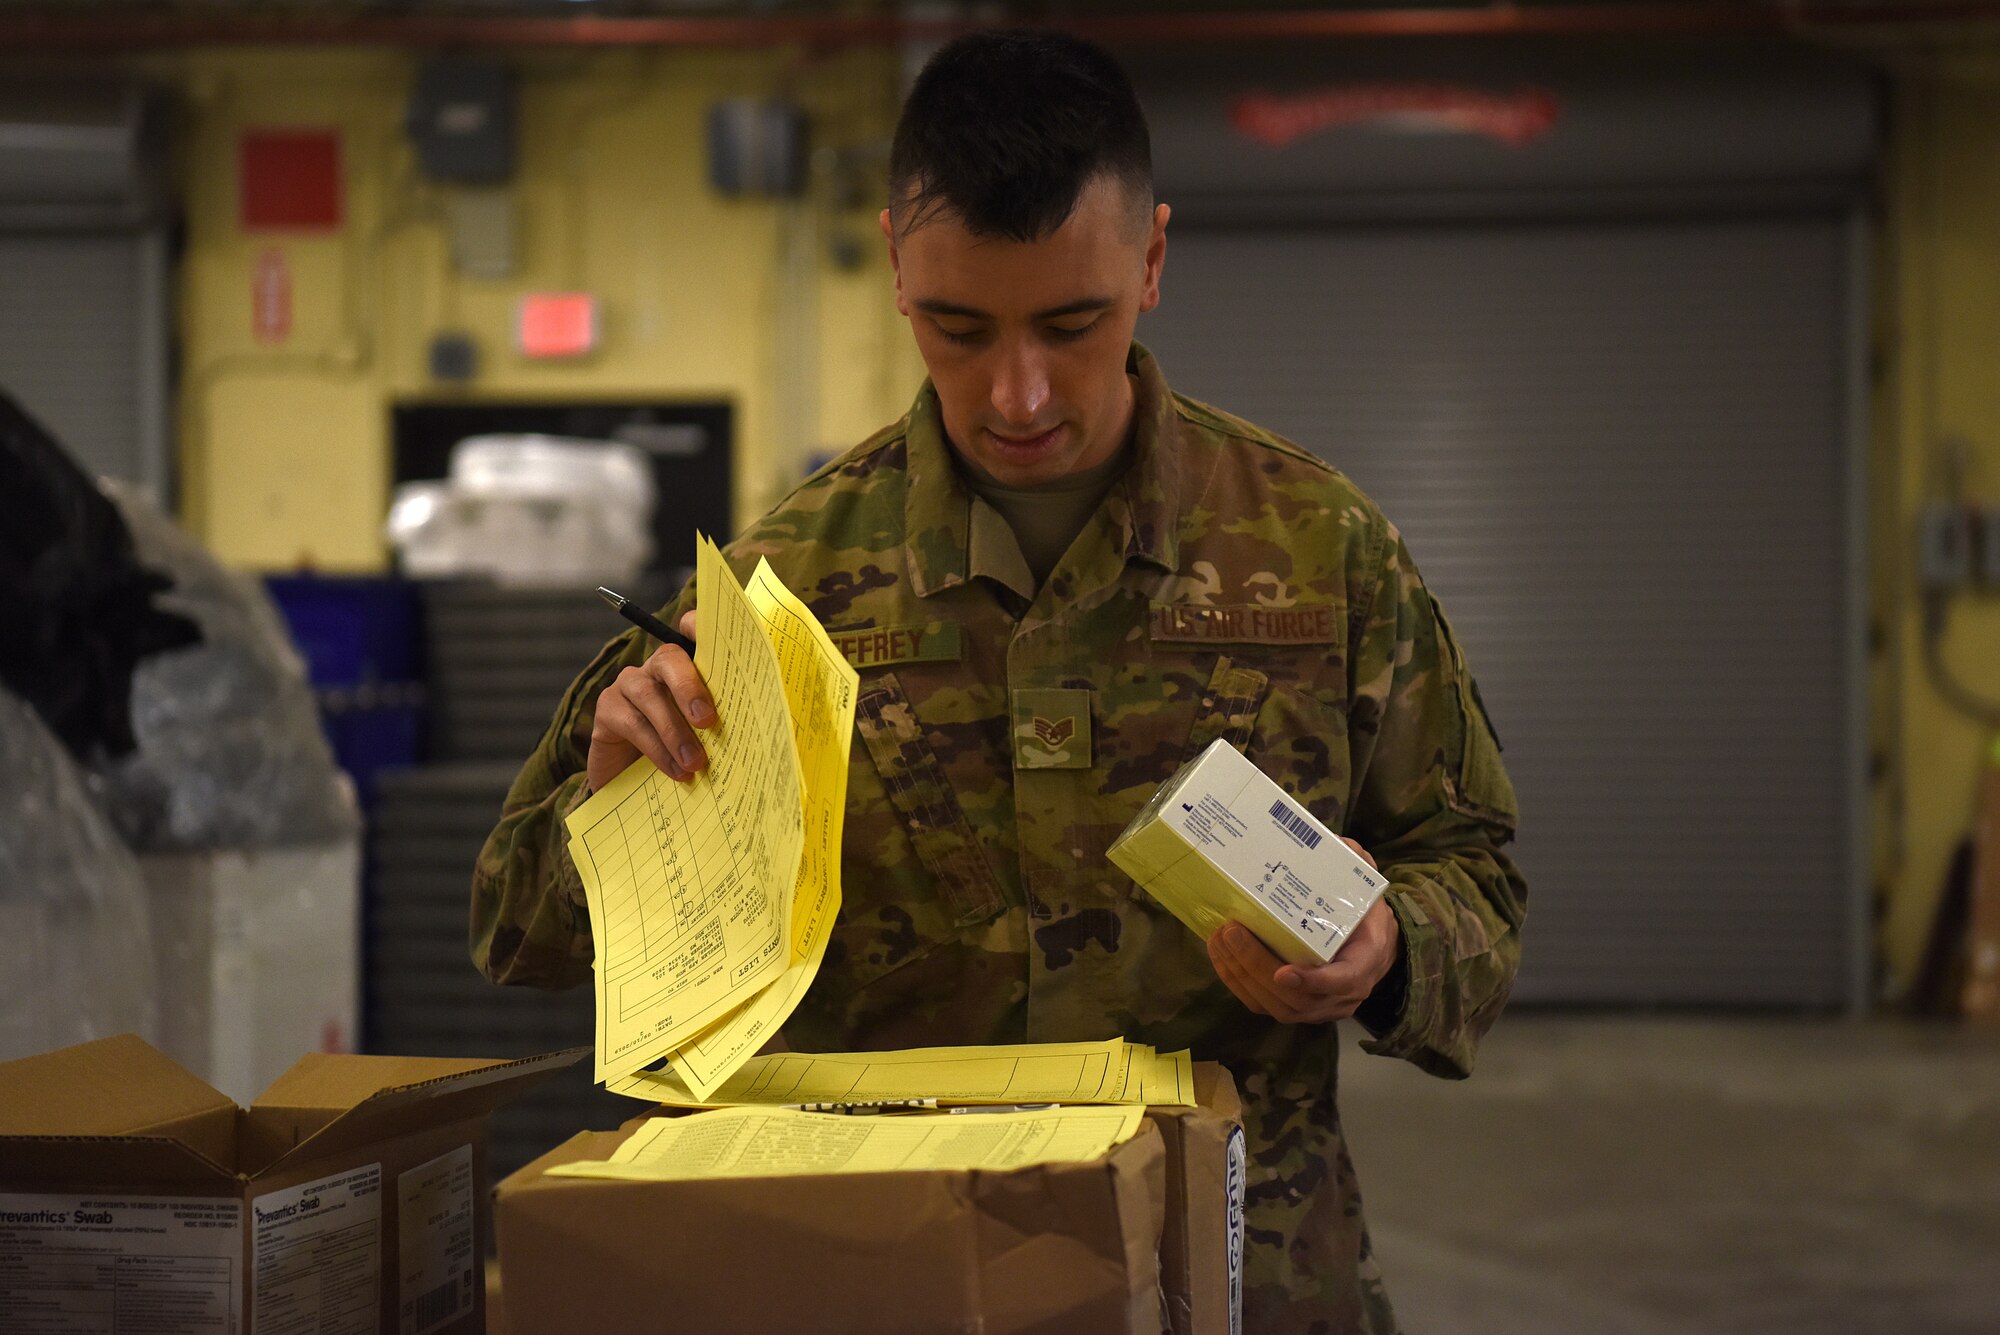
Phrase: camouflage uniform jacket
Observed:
(1231, 585)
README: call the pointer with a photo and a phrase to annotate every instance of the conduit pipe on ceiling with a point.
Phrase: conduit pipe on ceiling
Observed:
(1610, 19)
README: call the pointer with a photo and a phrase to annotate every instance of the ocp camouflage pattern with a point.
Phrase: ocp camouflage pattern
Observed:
(1231, 585)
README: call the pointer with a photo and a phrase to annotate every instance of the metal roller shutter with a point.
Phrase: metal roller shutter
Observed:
(1618, 451)
(82, 345)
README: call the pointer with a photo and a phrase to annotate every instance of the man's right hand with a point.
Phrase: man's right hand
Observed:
(647, 711)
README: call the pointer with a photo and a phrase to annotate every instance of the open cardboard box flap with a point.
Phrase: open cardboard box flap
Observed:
(1202, 1247)
(119, 1109)
(1215, 1090)
(329, 1103)
(115, 1086)
(119, 1087)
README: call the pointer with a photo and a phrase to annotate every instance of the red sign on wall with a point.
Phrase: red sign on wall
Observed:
(271, 297)
(556, 324)
(1512, 119)
(288, 180)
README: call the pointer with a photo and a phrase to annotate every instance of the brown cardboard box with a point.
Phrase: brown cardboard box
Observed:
(349, 1198)
(1201, 1248)
(1047, 1250)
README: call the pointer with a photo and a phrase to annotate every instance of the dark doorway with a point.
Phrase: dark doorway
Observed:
(690, 444)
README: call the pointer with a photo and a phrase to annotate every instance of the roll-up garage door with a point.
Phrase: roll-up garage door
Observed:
(83, 345)
(84, 268)
(1618, 451)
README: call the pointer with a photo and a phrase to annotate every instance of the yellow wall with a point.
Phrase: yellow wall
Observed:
(1939, 331)
(284, 450)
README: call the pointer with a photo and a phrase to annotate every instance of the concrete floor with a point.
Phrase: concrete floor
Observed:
(1628, 1176)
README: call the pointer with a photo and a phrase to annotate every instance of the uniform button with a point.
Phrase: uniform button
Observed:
(1208, 702)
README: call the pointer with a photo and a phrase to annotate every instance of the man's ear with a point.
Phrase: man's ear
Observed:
(895, 260)
(1156, 257)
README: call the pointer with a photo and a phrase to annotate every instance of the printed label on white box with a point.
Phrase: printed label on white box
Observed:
(439, 1249)
(316, 1259)
(120, 1265)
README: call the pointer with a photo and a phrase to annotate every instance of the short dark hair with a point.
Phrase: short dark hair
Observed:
(1005, 129)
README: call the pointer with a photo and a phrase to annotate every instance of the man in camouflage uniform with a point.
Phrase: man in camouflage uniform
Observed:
(1220, 582)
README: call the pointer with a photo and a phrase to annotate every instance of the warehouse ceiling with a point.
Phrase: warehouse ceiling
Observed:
(1416, 12)
(30, 23)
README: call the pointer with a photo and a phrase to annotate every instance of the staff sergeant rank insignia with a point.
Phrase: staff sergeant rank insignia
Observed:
(1051, 729)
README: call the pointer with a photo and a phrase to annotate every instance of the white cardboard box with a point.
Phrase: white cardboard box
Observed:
(258, 958)
(1220, 842)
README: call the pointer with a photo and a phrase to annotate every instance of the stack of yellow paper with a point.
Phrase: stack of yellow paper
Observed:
(773, 1142)
(712, 901)
(1111, 1072)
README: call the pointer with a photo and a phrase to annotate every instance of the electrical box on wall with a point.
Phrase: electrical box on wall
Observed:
(453, 357)
(461, 120)
(1944, 545)
(483, 234)
(757, 148)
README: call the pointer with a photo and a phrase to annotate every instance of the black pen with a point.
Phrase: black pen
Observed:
(646, 621)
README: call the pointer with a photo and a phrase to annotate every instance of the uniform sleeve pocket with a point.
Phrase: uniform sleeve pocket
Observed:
(1229, 707)
(924, 801)
(579, 702)
(1476, 782)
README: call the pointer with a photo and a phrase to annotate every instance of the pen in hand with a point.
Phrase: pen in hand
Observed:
(651, 708)
(645, 620)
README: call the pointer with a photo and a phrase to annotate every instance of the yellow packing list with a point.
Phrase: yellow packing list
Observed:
(1111, 1072)
(1168, 1080)
(776, 1142)
(820, 688)
(690, 885)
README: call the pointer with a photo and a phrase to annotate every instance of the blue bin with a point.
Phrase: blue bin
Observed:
(361, 639)
(353, 631)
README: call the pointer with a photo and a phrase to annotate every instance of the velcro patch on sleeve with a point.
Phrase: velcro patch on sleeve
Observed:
(886, 646)
(1246, 623)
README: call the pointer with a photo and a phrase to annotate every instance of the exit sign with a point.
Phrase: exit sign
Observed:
(557, 324)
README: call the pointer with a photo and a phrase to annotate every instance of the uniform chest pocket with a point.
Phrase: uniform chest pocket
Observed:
(1290, 734)
(921, 797)
(1228, 708)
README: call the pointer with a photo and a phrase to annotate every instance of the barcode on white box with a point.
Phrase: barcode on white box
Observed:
(441, 1304)
(1297, 826)
(439, 1246)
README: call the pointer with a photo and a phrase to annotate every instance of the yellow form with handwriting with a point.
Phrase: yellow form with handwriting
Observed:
(773, 1142)
(690, 885)
(821, 688)
(1113, 1071)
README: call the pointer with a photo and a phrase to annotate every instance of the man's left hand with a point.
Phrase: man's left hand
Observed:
(1309, 994)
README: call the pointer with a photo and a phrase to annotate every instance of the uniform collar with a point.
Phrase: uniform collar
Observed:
(1143, 506)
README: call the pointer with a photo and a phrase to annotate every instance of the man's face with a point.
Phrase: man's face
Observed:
(1026, 340)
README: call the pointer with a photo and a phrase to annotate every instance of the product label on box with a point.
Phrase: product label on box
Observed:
(438, 1246)
(1236, 1169)
(316, 1263)
(119, 1265)
(1271, 848)
(1254, 855)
